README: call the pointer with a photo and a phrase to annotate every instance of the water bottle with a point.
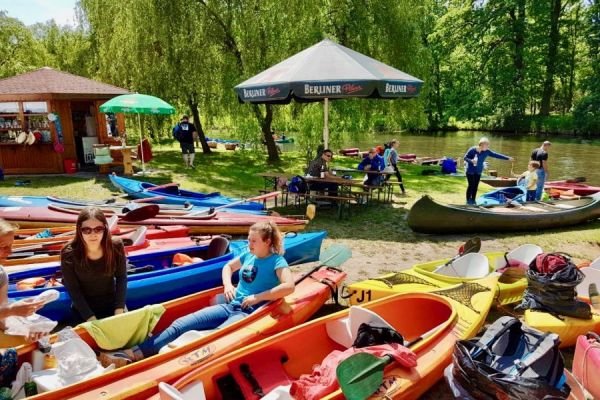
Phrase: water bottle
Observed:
(322, 171)
(475, 159)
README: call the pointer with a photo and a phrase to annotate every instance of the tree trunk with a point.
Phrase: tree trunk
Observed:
(553, 40)
(198, 124)
(265, 126)
(518, 17)
(572, 60)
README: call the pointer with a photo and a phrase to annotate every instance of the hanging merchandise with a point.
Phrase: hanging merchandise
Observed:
(59, 145)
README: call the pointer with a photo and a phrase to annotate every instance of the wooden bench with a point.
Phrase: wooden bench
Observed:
(341, 201)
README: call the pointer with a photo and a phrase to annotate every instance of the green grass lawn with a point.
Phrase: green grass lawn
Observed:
(234, 173)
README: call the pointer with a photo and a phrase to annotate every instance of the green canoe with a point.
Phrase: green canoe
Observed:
(429, 216)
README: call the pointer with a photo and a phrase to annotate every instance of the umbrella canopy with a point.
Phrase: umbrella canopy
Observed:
(137, 104)
(327, 70)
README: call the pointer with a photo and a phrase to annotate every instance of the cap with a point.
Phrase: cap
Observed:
(547, 143)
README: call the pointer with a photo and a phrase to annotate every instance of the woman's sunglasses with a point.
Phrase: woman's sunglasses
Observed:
(88, 231)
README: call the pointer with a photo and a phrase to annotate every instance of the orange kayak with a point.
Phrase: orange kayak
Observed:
(140, 379)
(440, 319)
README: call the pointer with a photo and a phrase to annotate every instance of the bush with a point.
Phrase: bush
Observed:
(586, 115)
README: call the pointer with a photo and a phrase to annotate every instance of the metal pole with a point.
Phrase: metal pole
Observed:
(141, 144)
(326, 123)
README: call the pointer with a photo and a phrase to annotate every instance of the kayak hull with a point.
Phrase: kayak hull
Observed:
(140, 379)
(568, 328)
(174, 195)
(580, 189)
(410, 314)
(164, 282)
(429, 216)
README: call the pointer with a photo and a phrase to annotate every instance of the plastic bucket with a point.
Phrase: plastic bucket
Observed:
(70, 165)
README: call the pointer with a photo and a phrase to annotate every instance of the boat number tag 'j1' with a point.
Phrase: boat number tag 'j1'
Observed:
(197, 356)
(390, 385)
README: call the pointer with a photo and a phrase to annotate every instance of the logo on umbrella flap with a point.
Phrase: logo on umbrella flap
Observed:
(272, 91)
(350, 88)
(400, 88)
(411, 89)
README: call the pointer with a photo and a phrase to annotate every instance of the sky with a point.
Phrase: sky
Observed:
(32, 11)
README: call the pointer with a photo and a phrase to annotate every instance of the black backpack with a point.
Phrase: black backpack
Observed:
(510, 361)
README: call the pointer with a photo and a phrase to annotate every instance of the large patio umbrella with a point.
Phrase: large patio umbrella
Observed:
(327, 71)
(137, 104)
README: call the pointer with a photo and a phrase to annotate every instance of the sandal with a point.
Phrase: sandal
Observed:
(118, 358)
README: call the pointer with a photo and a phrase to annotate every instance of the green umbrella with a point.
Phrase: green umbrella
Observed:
(137, 104)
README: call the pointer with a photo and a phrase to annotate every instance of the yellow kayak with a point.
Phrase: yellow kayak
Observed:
(427, 277)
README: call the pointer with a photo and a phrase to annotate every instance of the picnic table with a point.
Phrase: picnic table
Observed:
(271, 183)
(387, 187)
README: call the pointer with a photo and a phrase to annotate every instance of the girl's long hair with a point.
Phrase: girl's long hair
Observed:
(109, 248)
(270, 231)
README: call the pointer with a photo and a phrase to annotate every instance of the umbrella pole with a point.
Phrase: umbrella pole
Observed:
(326, 122)
(142, 144)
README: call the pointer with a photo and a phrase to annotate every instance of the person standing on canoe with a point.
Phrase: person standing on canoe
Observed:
(185, 132)
(22, 308)
(475, 158)
(93, 267)
(264, 275)
(530, 177)
(541, 155)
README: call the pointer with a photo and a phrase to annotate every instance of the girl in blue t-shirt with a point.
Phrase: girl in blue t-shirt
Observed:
(264, 276)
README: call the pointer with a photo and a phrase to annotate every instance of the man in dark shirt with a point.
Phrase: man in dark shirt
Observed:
(185, 132)
(541, 155)
(320, 165)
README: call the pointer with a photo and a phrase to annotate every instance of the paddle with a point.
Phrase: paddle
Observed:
(472, 245)
(235, 203)
(333, 256)
(150, 189)
(361, 374)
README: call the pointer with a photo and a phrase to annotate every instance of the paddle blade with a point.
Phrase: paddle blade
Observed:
(141, 213)
(360, 375)
(472, 245)
(335, 255)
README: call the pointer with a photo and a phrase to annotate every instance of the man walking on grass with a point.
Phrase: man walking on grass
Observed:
(541, 155)
(185, 133)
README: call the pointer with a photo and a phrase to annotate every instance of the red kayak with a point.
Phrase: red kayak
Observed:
(580, 189)
(197, 223)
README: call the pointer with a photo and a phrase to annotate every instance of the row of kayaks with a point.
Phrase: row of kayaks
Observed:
(432, 305)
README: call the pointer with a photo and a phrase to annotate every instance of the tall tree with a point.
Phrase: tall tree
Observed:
(553, 43)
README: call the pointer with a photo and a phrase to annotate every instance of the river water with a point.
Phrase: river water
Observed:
(568, 158)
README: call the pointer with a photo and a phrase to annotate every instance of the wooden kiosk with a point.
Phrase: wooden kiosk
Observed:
(26, 101)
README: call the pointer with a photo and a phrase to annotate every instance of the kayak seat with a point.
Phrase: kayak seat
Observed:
(193, 391)
(521, 256)
(260, 374)
(344, 330)
(472, 265)
(595, 264)
(592, 275)
(217, 247)
(138, 237)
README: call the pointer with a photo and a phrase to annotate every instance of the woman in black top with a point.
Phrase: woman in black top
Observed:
(93, 268)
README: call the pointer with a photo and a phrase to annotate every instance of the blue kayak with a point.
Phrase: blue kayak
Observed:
(175, 195)
(157, 281)
(516, 194)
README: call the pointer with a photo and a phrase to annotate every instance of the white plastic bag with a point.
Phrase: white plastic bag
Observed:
(25, 326)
